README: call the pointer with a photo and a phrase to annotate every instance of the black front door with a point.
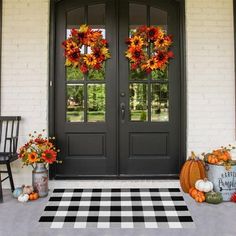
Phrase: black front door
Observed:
(116, 122)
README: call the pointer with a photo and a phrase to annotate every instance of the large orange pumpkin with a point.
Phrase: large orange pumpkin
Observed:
(192, 170)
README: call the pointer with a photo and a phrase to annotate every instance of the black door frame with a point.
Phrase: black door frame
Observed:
(51, 90)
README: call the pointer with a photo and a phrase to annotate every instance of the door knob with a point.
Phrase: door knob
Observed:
(122, 110)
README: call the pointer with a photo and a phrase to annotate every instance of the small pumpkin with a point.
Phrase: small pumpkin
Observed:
(213, 197)
(193, 192)
(212, 159)
(197, 195)
(23, 197)
(192, 170)
(17, 192)
(28, 189)
(200, 197)
(204, 185)
(33, 196)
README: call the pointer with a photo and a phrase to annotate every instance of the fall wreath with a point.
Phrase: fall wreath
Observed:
(149, 39)
(96, 45)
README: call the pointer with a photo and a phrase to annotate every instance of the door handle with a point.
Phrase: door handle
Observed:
(122, 109)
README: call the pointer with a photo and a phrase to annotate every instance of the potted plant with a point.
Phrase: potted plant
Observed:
(39, 152)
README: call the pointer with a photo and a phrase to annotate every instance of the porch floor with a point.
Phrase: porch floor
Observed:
(21, 219)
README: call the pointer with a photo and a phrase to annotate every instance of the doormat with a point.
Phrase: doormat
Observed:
(117, 208)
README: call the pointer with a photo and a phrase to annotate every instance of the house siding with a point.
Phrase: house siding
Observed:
(209, 63)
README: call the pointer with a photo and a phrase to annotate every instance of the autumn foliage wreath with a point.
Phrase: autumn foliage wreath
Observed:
(149, 40)
(93, 40)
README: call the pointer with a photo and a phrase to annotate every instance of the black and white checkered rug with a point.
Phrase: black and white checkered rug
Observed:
(120, 208)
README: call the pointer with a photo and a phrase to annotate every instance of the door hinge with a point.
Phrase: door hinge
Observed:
(50, 83)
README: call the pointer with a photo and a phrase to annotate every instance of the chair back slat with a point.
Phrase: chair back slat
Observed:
(9, 131)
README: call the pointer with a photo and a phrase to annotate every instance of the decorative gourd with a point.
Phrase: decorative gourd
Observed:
(204, 185)
(17, 192)
(27, 189)
(192, 170)
(200, 197)
(33, 196)
(233, 197)
(213, 197)
(197, 195)
(212, 159)
(23, 197)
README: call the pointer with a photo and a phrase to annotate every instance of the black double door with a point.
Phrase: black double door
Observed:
(116, 122)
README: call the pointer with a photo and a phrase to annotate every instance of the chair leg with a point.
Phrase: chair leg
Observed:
(10, 176)
(1, 197)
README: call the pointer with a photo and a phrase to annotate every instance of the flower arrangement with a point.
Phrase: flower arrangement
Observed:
(87, 38)
(38, 149)
(158, 43)
(221, 156)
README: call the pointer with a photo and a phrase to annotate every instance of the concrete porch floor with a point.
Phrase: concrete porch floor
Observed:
(21, 219)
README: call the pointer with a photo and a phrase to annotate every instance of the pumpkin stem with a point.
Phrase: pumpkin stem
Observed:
(205, 179)
(193, 156)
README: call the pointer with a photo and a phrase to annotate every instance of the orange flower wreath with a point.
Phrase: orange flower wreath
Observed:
(155, 38)
(93, 39)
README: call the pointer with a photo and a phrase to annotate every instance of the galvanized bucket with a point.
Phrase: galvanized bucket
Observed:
(224, 180)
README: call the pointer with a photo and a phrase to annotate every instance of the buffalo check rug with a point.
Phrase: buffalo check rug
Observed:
(117, 208)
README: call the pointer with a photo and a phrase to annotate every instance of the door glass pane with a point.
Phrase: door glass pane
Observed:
(73, 73)
(75, 103)
(158, 17)
(96, 102)
(160, 102)
(138, 94)
(97, 74)
(137, 17)
(75, 18)
(96, 20)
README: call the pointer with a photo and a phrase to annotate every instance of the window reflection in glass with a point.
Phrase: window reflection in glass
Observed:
(96, 102)
(73, 73)
(138, 94)
(75, 103)
(159, 102)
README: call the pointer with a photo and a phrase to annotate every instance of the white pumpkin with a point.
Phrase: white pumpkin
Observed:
(23, 197)
(204, 185)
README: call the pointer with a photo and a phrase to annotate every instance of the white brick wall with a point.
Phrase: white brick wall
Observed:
(210, 74)
(25, 68)
(210, 71)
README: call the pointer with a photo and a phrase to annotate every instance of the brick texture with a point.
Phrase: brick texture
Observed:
(25, 69)
(210, 74)
(210, 71)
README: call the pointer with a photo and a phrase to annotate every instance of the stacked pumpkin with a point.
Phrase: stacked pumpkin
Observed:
(193, 181)
(25, 193)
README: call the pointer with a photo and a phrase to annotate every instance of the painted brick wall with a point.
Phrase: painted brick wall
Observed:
(25, 68)
(210, 71)
(210, 74)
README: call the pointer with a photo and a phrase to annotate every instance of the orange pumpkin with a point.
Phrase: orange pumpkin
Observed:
(200, 197)
(212, 159)
(192, 170)
(197, 195)
(33, 196)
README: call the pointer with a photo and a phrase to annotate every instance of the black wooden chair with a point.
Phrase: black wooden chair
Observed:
(9, 131)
